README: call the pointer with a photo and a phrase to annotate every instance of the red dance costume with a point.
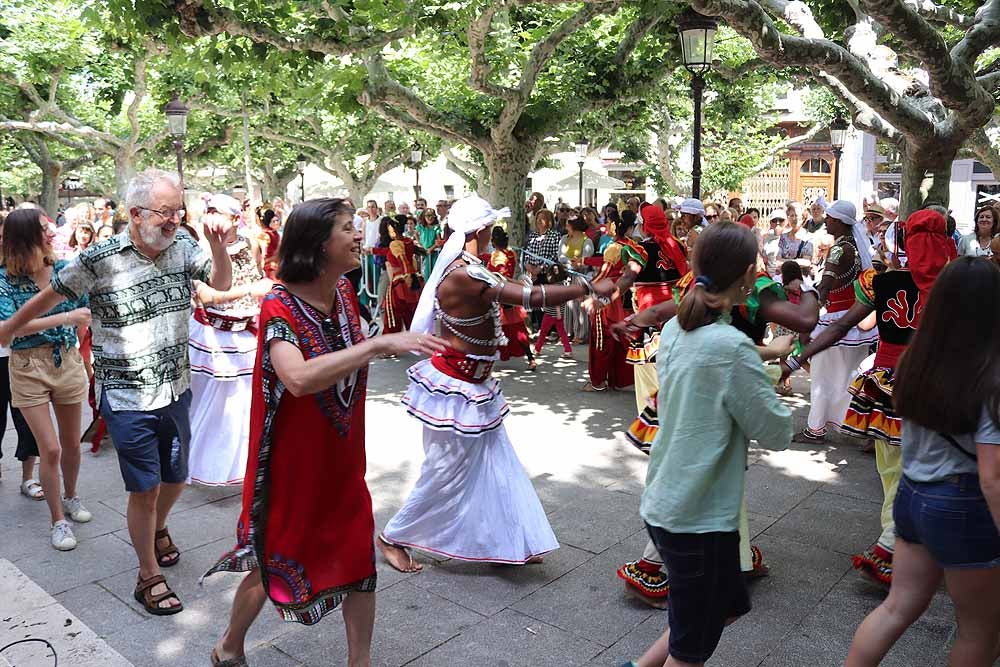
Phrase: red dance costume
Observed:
(404, 290)
(307, 515)
(511, 317)
(607, 359)
(269, 242)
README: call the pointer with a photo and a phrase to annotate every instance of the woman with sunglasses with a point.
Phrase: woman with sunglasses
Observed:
(429, 238)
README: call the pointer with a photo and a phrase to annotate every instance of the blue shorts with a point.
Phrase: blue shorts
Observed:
(950, 519)
(707, 588)
(152, 445)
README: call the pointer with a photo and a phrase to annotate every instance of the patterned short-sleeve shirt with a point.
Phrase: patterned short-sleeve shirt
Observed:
(15, 291)
(140, 309)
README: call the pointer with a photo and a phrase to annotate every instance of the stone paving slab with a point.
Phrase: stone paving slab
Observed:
(809, 508)
(29, 612)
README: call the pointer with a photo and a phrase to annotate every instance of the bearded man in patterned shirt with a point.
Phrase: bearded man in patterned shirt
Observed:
(139, 283)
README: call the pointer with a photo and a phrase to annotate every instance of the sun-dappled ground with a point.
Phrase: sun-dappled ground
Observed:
(810, 509)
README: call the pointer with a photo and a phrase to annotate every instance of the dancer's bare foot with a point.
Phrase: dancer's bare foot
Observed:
(535, 560)
(223, 658)
(397, 557)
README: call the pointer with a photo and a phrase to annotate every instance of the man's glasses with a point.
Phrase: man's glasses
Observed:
(712, 217)
(166, 214)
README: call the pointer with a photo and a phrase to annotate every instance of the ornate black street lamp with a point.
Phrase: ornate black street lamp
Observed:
(177, 112)
(582, 146)
(838, 137)
(416, 155)
(697, 33)
(301, 161)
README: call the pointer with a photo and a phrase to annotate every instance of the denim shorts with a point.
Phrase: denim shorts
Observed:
(950, 519)
(707, 588)
(152, 444)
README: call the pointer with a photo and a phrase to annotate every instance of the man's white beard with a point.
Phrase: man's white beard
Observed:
(154, 238)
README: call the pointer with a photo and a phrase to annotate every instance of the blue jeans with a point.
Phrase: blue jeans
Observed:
(951, 519)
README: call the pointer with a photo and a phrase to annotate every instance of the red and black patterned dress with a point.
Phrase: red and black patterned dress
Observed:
(307, 515)
(897, 303)
(511, 317)
(406, 283)
(607, 364)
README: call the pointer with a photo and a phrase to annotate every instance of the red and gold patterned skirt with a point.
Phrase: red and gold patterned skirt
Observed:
(870, 413)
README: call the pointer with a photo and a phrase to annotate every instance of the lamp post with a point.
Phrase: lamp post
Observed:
(177, 112)
(582, 145)
(697, 33)
(838, 137)
(416, 155)
(301, 161)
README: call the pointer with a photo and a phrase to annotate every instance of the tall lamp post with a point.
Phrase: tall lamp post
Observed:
(697, 33)
(582, 145)
(838, 137)
(301, 161)
(177, 112)
(416, 155)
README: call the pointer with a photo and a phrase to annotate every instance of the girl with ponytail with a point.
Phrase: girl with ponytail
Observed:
(714, 397)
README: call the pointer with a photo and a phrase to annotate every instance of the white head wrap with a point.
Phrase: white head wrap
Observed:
(468, 215)
(846, 212)
(821, 202)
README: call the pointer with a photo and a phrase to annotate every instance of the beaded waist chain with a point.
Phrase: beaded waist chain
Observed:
(461, 366)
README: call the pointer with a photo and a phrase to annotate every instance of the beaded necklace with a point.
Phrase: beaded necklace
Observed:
(450, 322)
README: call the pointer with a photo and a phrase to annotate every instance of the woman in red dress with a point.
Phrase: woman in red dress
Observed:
(307, 544)
(405, 281)
(503, 260)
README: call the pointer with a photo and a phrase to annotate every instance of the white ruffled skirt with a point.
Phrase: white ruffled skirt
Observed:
(473, 500)
(222, 364)
(831, 373)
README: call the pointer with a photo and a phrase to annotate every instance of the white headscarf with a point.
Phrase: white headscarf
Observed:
(846, 212)
(468, 215)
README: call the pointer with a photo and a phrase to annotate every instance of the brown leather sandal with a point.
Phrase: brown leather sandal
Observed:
(169, 555)
(152, 602)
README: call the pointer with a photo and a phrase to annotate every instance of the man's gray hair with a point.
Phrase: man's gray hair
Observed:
(890, 204)
(141, 185)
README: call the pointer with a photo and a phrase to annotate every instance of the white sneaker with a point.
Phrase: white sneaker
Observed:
(74, 509)
(62, 536)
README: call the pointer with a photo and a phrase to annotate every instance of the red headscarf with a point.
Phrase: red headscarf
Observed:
(747, 221)
(654, 222)
(928, 248)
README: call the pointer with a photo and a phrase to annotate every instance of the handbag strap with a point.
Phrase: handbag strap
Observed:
(954, 443)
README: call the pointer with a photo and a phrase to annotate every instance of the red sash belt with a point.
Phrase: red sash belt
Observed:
(225, 322)
(458, 365)
(840, 299)
(887, 354)
(650, 294)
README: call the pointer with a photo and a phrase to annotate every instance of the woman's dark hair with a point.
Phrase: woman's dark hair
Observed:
(996, 220)
(83, 225)
(268, 217)
(556, 274)
(383, 231)
(25, 249)
(432, 213)
(724, 252)
(499, 238)
(398, 223)
(611, 215)
(578, 224)
(790, 271)
(301, 258)
(625, 224)
(752, 210)
(946, 392)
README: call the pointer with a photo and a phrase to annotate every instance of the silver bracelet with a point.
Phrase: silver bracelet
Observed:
(526, 296)
(543, 296)
(793, 363)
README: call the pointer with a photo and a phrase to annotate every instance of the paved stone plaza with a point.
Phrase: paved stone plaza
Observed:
(810, 508)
